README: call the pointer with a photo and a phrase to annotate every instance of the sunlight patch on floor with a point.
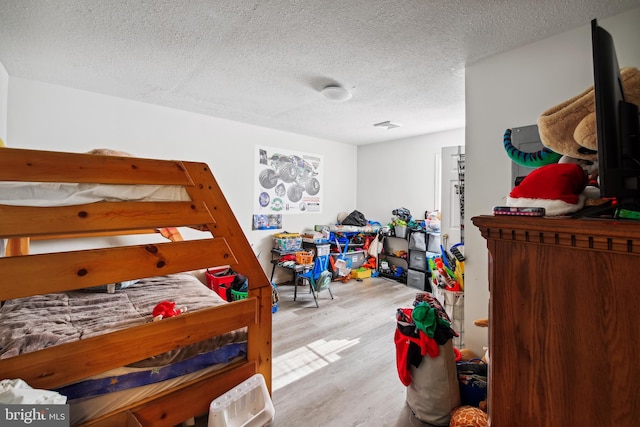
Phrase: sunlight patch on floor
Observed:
(302, 361)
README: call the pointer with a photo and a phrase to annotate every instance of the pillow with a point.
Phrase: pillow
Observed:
(109, 152)
(111, 288)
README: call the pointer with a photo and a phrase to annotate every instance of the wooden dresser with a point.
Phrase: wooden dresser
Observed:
(564, 314)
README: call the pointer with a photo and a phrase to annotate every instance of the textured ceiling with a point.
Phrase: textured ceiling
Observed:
(264, 62)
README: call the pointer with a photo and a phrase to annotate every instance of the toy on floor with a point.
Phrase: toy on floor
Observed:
(468, 416)
(467, 354)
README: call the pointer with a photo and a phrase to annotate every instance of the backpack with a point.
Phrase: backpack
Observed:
(323, 280)
(355, 218)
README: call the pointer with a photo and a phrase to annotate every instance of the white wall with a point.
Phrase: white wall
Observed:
(513, 89)
(401, 173)
(48, 117)
(4, 89)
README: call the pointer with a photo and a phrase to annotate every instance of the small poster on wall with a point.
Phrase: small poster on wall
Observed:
(287, 182)
(267, 222)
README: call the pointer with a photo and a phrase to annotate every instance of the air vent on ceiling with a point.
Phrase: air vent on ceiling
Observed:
(388, 124)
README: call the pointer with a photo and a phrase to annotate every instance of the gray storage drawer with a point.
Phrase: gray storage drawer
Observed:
(417, 279)
(418, 259)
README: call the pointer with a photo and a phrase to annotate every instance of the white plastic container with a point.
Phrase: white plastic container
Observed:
(246, 405)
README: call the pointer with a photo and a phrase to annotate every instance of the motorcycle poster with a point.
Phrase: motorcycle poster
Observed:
(287, 182)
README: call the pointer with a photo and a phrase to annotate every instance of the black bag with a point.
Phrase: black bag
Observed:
(355, 218)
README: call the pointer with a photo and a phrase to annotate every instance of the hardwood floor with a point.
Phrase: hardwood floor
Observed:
(335, 365)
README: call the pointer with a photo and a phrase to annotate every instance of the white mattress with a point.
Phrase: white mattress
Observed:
(68, 194)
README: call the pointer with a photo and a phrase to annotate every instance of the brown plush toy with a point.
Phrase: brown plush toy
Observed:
(570, 127)
(585, 133)
(467, 354)
(468, 416)
(483, 323)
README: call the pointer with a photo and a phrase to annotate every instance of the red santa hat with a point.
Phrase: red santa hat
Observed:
(556, 187)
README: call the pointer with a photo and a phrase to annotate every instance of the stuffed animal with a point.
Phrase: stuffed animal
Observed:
(165, 309)
(468, 416)
(569, 127)
(568, 134)
(483, 323)
(467, 354)
(560, 184)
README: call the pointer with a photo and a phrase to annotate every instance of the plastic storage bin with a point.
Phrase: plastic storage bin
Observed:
(246, 405)
(357, 258)
(318, 249)
(400, 231)
(287, 244)
(322, 250)
(304, 258)
(237, 295)
(418, 280)
(218, 281)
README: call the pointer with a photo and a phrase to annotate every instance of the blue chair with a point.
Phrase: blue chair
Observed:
(319, 278)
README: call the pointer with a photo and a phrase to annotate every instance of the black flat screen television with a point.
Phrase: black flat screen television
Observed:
(616, 127)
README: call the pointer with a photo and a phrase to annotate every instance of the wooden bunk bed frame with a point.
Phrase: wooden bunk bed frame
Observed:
(26, 275)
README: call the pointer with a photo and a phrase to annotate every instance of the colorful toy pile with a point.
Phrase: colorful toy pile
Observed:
(447, 270)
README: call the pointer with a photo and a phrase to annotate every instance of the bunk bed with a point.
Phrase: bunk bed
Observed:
(177, 195)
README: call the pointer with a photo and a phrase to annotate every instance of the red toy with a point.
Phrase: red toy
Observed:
(165, 309)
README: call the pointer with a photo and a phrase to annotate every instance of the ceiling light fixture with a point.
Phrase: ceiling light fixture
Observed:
(388, 124)
(336, 93)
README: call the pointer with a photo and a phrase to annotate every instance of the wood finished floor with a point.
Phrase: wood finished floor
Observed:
(335, 365)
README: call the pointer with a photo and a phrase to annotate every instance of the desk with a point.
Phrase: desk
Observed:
(296, 269)
(276, 254)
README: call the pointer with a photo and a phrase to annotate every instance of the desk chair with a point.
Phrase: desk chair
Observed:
(319, 278)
